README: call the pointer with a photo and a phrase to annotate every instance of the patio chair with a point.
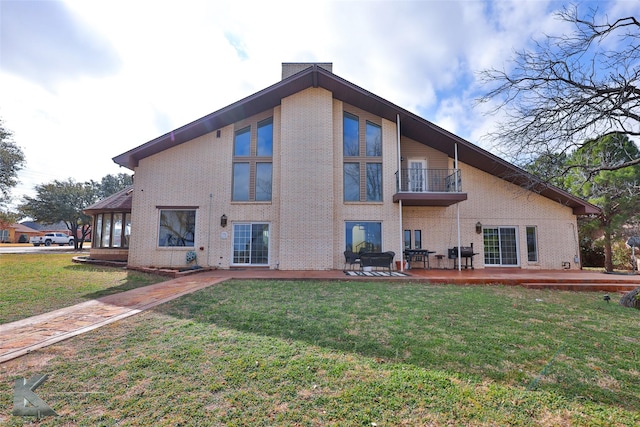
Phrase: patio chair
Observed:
(351, 258)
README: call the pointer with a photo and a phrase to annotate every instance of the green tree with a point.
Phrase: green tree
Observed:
(12, 160)
(615, 191)
(63, 201)
(568, 88)
(111, 184)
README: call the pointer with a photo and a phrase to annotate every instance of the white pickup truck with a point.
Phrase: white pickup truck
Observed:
(52, 239)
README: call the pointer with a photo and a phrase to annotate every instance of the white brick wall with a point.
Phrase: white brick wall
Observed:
(307, 214)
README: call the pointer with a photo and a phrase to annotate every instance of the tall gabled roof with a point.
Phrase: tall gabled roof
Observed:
(411, 126)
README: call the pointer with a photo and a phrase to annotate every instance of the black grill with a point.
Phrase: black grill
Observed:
(466, 252)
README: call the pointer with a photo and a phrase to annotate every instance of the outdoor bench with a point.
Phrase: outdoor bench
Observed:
(377, 259)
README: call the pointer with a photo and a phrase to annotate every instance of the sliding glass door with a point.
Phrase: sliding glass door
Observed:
(500, 246)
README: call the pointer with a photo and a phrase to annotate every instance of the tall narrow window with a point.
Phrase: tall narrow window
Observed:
(407, 239)
(352, 182)
(351, 138)
(362, 152)
(96, 239)
(374, 140)
(418, 239)
(241, 181)
(265, 138)
(242, 142)
(117, 230)
(532, 244)
(127, 230)
(263, 181)
(106, 230)
(374, 182)
(252, 162)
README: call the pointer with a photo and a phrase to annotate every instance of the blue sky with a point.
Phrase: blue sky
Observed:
(82, 81)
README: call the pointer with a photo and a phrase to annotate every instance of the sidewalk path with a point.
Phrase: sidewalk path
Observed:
(23, 336)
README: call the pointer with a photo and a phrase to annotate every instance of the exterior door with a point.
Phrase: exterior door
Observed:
(500, 246)
(418, 175)
(251, 244)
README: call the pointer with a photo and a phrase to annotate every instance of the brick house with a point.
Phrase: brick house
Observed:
(17, 233)
(295, 174)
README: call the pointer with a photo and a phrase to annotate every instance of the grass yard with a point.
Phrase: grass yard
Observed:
(37, 283)
(287, 353)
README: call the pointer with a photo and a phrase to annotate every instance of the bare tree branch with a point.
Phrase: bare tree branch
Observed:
(569, 89)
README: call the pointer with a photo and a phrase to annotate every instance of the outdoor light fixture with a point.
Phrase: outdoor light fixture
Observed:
(223, 220)
(478, 227)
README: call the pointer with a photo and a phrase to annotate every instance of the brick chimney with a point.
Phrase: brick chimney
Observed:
(291, 68)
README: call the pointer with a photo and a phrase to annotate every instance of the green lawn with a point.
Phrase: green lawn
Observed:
(37, 283)
(306, 353)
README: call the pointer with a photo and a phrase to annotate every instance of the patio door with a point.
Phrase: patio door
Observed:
(500, 246)
(251, 244)
(417, 175)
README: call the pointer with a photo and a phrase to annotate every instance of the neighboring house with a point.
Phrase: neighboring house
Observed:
(59, 227)
(17, 233)
(111, 226)
(293, 175)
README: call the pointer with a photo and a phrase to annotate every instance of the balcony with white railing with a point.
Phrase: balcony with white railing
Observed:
(429, 187)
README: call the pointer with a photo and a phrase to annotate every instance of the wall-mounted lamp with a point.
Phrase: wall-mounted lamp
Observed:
(478, 227)
(223, 220)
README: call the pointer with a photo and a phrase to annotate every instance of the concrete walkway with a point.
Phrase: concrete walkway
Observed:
(21, 337)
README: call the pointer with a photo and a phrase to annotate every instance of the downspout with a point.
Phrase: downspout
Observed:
(455, 177)
(399, 188)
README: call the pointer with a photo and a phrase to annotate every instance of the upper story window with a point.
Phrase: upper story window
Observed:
(362, 156)
(253, 162)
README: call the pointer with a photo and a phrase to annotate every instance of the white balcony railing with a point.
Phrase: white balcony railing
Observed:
(417, 180)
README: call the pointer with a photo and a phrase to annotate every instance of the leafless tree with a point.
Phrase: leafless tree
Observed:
(569, 89)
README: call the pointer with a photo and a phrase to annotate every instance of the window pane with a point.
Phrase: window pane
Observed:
(351, 140)
(532, 245)
(508, 246)
(106, 231)
(263, 181)
(352, 182)
(374, 182)
(491, 246)
(242, 143)
(374, 140)
(265, 138)
(97, 232)
(177, 228)
(259, 244)
(418, 239)
(241, 243)
(407, 239)
(127, 230)
(117, 230)
(363, 236)
(241, 181)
